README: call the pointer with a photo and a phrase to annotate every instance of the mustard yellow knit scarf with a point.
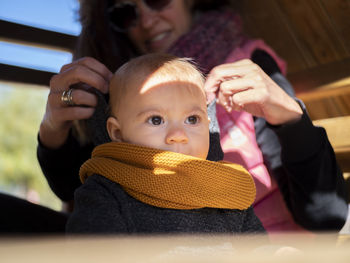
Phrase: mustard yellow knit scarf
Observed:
(171, 180)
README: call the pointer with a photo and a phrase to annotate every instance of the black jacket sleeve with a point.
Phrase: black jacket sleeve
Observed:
(303, 163)
(310, 178)
(61, 166)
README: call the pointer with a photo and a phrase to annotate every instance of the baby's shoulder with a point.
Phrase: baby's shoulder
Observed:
(102, 185)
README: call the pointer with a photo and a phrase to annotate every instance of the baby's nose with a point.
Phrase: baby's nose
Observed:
(176, 135)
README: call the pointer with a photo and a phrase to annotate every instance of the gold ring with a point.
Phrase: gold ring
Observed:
(67, 97)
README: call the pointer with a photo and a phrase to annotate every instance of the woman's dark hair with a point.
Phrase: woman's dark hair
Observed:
(97, 39)
(100, 41)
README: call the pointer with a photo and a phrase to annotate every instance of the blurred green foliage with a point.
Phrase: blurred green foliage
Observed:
(21, 110)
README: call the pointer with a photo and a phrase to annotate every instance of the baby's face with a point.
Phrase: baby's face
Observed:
(170, 116)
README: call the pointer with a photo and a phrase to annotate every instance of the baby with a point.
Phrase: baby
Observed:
(159, 102)
(154, 177)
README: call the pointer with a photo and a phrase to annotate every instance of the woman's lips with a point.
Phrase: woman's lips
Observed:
(158, 42)
(159, 37)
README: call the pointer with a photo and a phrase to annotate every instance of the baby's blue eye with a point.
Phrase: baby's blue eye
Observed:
(192, 119)
(155, 120)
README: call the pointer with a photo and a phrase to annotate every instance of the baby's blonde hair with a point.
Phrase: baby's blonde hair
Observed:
(163, 67)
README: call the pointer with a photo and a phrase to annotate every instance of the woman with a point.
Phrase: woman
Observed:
(294, 159)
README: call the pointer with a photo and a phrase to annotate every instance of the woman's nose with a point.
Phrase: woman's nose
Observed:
(176, 135)
(147, 16)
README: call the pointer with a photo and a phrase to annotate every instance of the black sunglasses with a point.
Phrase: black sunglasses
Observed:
(125, 14)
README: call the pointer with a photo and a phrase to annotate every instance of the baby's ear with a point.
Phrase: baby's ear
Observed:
(113, 128)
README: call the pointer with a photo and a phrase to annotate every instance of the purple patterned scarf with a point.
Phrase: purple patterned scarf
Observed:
(213, 36)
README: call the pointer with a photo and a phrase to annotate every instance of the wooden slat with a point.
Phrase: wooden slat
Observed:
(313, 78)
(24, 75)
(25, 34)
(314, 30)
(327, 102)
(338, 131)
(339, 14)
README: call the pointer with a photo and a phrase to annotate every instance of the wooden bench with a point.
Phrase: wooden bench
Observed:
(328, 101)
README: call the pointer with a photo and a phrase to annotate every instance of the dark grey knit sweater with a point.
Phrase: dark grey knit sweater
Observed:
(102, 206)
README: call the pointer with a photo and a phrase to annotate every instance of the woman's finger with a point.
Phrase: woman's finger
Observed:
(92, 64)
(225, 100)
(76, 74)
(235, 85)
(227, 71)
(249, 97)
(73, 113)
(79, 98)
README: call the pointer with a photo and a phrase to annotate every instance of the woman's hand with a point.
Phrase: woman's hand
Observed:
(59, 116)
(243, 85)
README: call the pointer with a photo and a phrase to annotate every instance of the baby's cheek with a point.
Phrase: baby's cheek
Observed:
(153, 140)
